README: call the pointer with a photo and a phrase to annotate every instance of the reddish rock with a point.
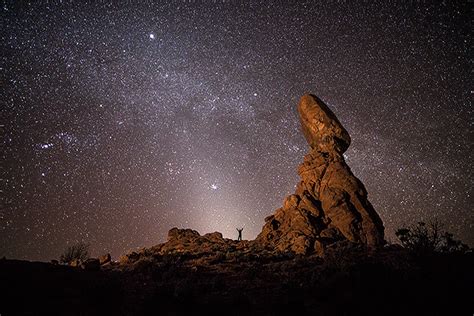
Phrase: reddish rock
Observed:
(129, 257)
(105, 259)
(214, 237)
(330, 204)
(182, 234)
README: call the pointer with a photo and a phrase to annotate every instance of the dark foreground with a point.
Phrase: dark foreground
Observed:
(350, 282)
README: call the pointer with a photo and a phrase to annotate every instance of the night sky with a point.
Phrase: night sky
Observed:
(121, 121)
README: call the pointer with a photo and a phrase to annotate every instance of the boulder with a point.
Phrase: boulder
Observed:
(105, 259)
(320, 126)
(182, 234)
(129, 257)
(214, 237)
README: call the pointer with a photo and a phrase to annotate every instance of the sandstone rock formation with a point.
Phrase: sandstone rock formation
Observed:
(187, 243)
(330, 204)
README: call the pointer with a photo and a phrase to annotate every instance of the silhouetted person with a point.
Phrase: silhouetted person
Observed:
(240, 233)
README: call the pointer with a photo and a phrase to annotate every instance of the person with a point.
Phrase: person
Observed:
(240, 233)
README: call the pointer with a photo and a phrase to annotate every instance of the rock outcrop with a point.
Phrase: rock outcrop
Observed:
(104, 259)
(202, 249)
(330, 204)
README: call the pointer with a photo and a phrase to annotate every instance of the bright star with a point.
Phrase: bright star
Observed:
(46, 146)
(214, 186)
(152, 36)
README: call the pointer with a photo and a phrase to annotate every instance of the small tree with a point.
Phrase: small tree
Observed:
(428, 238)
(78, 251)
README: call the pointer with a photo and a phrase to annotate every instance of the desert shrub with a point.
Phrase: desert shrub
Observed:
(79, 251)
(429, 238)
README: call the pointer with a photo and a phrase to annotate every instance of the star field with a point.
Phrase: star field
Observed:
(121, 121)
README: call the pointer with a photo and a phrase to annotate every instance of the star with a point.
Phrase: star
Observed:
(152, 36)
(46, 146)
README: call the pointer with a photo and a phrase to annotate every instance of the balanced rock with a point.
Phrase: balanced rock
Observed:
(330, 204)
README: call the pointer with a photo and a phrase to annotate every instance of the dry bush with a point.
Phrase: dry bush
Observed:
(79, 251)
(425, 238)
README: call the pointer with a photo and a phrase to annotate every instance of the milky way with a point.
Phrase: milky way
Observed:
(121, 121)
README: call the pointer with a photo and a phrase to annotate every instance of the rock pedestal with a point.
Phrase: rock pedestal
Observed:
(330, 204)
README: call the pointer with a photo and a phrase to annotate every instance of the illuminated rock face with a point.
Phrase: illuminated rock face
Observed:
(330, 204)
